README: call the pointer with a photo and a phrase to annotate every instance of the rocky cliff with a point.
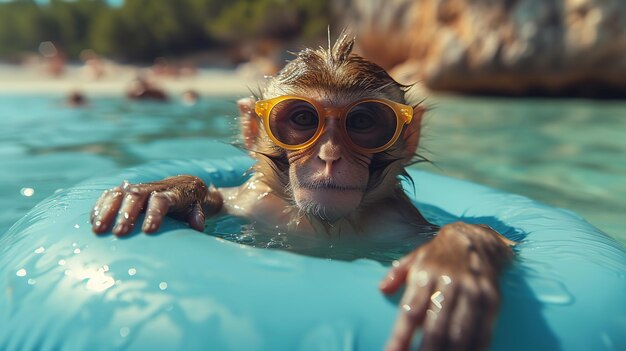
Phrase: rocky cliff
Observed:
(501, 47)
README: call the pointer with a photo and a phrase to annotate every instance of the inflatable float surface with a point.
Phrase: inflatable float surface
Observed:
(63, 288)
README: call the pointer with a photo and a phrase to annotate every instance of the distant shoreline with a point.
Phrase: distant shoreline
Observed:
(16, 79)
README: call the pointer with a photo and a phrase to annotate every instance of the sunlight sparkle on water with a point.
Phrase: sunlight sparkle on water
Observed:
(97, 279)
(28, 192)
(124, 331)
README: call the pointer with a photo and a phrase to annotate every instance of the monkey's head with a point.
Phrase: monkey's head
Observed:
(334, 130)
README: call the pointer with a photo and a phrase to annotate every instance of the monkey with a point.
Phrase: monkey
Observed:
(331, 135)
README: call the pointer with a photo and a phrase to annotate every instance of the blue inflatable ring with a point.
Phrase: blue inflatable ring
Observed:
(64, 288)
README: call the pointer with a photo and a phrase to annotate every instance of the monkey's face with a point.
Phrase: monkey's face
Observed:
(328, 179)
(329, 141)
(329, 175)
(337, 146)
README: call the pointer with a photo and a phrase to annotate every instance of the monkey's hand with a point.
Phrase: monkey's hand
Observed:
(451, 289)
(183, 197)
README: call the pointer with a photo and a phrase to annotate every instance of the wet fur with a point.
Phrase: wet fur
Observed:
(335, 72)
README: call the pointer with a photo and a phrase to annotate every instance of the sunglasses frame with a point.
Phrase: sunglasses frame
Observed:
(263, 109)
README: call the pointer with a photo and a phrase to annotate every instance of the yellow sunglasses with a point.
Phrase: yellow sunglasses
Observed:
(370, 125)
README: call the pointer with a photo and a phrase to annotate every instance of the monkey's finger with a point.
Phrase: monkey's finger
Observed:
(133, 203)
(397, 275)
(158, 206)
(196, 218)
(106, 209)
(96, 208)
(465, 319)
(490, 301)
(412, 311)
(443, 303)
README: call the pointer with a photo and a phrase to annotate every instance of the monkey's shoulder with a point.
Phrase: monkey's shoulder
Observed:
(255, 201)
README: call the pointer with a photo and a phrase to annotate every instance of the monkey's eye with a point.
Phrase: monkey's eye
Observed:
(293, 121)
(360, 120)
(304, 118)
(371, 124)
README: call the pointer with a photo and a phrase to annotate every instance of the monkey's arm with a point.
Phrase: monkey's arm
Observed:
(452, 288)
(183, 197)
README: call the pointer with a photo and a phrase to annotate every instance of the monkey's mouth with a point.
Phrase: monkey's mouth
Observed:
(326, 199)
(328, 185)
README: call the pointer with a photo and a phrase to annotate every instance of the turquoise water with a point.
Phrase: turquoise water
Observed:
(567, 153)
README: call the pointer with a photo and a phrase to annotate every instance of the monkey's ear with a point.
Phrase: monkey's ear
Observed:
(249, 121)
(411, 134)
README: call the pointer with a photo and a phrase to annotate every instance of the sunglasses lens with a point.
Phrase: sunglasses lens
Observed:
(371, 125)
(293, 122)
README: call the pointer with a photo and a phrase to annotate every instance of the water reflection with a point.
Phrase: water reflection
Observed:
(331, 247)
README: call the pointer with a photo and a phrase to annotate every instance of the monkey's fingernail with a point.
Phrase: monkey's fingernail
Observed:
(121, 229)
(384, 284)
(149, 228)
(197, 223)
(98, 227)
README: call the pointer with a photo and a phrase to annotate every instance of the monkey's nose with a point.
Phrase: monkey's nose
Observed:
(330, 161)
(330, 154)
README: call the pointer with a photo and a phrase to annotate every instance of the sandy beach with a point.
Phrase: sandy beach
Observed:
(33, 79)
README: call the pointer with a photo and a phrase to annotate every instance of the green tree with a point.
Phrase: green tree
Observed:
(73, 20)
(22, 25)
(140, 30)
(282, 19)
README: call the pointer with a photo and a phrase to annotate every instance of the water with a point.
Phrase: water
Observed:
(334, 247)
(567, 153)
